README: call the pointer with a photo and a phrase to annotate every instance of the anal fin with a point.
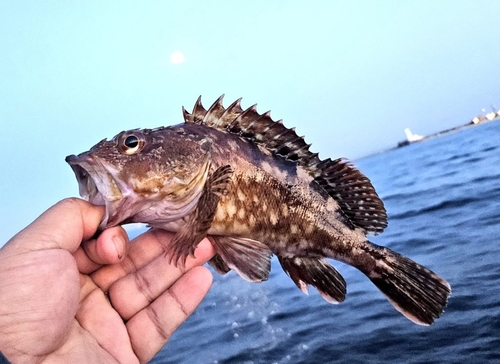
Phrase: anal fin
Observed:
(251, 259)
(199, 220)
(318, 273)
(218, 263)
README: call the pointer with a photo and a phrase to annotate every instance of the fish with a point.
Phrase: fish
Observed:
(255, 190)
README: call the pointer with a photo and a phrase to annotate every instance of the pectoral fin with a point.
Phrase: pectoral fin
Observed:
(318, 273)
(199, 220)
(251, 259)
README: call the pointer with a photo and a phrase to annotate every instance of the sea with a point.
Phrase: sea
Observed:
(443, 201)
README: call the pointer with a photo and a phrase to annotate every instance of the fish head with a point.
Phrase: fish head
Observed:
(144, 175)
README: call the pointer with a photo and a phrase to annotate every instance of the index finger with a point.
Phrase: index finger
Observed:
(145, 249)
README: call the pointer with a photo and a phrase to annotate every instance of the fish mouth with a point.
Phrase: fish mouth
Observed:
(97, 185)
(87, 187)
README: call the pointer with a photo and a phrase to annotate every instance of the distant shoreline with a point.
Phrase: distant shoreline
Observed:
(474, 122)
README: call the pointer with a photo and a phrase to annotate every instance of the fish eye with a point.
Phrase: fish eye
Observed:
(130, 143)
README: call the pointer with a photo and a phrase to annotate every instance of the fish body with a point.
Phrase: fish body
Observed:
(252, 187)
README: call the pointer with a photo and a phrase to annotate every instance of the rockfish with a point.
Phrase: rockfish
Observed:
(252, 187)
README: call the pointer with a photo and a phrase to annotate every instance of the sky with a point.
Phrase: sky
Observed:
(349, 75)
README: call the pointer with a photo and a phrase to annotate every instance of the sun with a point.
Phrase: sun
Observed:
(177, 57)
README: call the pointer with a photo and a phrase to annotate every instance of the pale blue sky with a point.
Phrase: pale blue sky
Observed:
(349, 75)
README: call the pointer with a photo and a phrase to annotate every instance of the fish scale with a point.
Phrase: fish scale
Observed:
(253, 187)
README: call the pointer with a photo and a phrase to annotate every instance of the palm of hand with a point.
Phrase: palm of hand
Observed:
(53, 304)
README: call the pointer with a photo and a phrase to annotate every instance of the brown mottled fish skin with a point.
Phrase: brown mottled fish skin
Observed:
(253, 187)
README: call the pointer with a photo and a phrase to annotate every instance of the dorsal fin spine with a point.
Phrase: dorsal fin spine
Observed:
(186, 115)
(235, 107)
(198, 111)
(214, 113)
(216, 105)
(235, 124)
(272, 126)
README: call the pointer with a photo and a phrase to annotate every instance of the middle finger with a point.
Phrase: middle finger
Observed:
(139, 288)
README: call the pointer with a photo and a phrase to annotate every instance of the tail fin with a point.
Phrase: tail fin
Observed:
(415, 291)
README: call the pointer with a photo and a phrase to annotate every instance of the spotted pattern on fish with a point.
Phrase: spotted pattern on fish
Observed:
(253, 187)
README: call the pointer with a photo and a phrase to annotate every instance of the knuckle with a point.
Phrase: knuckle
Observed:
(143, 286)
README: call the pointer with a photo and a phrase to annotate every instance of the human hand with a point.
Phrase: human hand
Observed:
(61, 303)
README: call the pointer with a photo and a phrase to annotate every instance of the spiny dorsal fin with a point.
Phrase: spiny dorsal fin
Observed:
(251, 125)
(216, 116)
(339, 178)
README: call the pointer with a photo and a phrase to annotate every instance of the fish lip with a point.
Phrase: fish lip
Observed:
(87, 186)
(91, 174)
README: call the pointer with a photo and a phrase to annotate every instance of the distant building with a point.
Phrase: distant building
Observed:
(483, 118)
(412, 137)
(492, 115)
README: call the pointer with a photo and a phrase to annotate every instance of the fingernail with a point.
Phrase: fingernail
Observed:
(118, 243)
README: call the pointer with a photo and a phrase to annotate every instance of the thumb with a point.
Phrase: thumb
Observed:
(63, 226)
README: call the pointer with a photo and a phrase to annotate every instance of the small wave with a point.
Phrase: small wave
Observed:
(486, 178)
(443, 205)
(489, 149)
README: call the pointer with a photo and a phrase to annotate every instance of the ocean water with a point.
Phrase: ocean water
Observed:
(443, 202)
